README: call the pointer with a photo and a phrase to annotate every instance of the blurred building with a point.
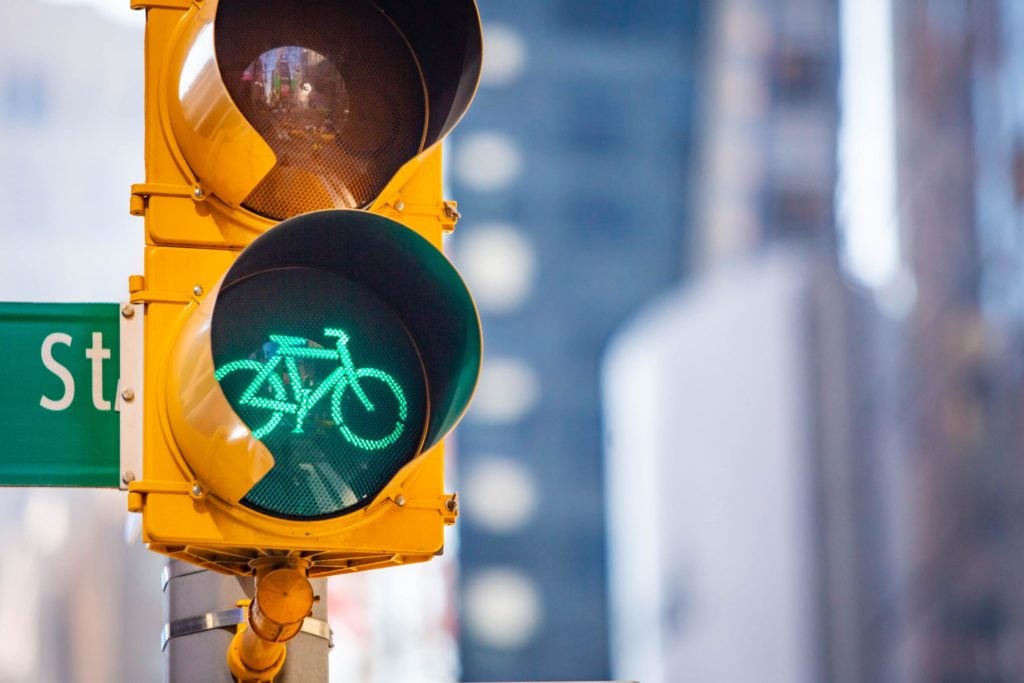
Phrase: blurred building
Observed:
(724, 396)
(959, 117)
(707, 404)
(572, 171)
(910, 361)
(71, 115)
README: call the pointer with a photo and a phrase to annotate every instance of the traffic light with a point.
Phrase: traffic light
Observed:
(307, 345)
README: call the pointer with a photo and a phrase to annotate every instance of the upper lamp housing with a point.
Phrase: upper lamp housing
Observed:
(287, 108)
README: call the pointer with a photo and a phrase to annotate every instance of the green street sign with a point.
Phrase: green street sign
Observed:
(58, 385)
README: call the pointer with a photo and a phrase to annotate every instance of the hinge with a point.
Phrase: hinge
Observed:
(143, 191)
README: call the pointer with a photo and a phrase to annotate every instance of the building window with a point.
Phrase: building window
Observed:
(24, 97)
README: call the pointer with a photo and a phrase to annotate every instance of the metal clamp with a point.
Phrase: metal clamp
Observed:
(230, 618)
(320, 629)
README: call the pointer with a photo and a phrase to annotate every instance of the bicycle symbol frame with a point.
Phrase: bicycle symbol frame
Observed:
(343, 378)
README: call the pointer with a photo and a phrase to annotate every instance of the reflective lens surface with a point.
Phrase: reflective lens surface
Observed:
(334, 90)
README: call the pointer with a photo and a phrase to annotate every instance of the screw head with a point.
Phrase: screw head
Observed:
(128, 395)
(197, 192)
(128, 311)
(399, 206)
(128, 476)
(198, 290)
(197, 491)
(400, 501)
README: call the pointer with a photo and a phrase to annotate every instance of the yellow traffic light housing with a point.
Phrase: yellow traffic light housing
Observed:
(307, 344)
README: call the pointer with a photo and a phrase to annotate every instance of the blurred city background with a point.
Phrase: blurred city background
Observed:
(751, 275)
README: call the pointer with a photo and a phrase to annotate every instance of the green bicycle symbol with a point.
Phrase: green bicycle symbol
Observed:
(342, 379)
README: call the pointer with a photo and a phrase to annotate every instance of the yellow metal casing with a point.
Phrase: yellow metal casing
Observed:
(193, 234)
(225, 149)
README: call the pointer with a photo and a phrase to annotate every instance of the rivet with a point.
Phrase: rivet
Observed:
(128, 395)
(128, 477)
(399, 206)
(127, 310)
(198, 290)
(400, 501)
(197, 491)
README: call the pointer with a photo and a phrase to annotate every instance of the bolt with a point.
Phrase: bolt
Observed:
(128, 476)
(128, 311)
(452, 504)
(128, 395)
(400, 501)
(399, 206)
(198, 290)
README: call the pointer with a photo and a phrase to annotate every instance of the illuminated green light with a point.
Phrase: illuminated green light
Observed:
(327, 376)
(344, 377)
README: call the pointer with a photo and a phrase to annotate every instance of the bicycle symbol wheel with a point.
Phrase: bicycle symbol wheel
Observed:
(244, 372)
(389, 397)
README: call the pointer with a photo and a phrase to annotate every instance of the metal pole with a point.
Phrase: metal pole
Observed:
(201, 614)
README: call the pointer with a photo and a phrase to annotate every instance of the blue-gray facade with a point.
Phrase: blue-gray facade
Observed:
(602, 117)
